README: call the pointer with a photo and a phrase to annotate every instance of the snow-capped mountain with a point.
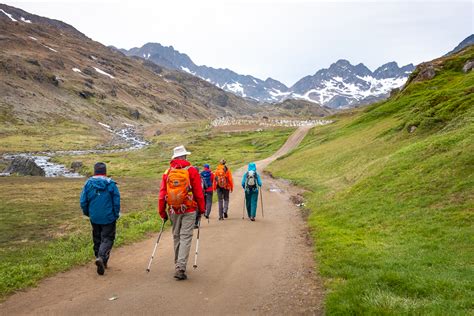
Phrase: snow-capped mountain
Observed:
(241, 85)
(345, 85)
(341, 85)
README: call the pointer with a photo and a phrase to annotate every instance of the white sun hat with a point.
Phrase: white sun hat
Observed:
(180, 151)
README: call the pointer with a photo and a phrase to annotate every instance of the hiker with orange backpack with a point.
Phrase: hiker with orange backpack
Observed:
(224, 185)
(181, 191)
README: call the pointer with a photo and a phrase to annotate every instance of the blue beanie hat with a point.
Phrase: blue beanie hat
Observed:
(206, 165)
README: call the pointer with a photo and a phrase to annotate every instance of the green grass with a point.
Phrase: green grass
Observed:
(47, 136)
(392, 211)
(205, 145)
(42, 230)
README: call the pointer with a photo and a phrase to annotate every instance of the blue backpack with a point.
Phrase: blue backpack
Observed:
(206, 179)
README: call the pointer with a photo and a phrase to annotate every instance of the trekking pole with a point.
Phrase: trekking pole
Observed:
(243, 206)
(157, 241)
(261, 200)
(197, 247)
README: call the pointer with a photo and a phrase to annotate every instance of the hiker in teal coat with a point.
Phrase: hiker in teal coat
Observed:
(251, 183)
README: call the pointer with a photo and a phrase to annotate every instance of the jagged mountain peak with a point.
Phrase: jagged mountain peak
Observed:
(341, 84)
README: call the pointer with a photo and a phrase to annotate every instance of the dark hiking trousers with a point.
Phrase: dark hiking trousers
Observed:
(103, 237)
(251, 198)
(223, 197)
(208, 199)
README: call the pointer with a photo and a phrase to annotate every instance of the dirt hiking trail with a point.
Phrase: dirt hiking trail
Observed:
(244, 267)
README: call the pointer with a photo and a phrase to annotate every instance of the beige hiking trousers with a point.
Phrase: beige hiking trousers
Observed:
(183, 228)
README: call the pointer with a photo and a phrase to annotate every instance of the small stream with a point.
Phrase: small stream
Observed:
(126, 135)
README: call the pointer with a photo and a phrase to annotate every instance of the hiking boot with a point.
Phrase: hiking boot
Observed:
(225, 215)
(196, 226)
(180, 275)
(99, 262)
(252, 219)
(221, 218)
(206, 216)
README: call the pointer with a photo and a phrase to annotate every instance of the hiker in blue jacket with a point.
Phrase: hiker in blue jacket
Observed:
(207, 180)
(251, 183)
(100, 201)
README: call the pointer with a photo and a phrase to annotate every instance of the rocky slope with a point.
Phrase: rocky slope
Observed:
(51, 72)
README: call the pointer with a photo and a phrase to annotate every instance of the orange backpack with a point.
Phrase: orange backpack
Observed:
(178, 188)
(220, 175)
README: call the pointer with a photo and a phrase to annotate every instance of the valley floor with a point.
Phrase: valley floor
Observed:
(245, 267)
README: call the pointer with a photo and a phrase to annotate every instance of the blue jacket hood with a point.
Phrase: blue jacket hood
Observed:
(100, 182)
(252, 167)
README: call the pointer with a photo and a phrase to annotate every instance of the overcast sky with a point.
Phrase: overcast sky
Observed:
(285, 40)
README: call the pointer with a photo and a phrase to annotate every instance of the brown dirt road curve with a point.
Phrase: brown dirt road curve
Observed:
(244, 267)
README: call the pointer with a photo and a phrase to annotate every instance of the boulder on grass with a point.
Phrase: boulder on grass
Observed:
(24, 166)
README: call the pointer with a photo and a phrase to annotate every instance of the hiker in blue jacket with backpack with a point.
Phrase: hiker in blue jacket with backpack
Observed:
(207, 180)
(251, 183)
(100, 201)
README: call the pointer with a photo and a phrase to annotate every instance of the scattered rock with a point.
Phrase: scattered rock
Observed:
(297, 199)
(411, 128)
(24, 166)
(394, 92)
(135, 114)
(427, 73)
(89, 71)
(468, 66)
(55, 80)
(76, 166)
(89, 83)
(86, 94)
(157, 108)
(158, 132)
(113, 92)
(33, 62)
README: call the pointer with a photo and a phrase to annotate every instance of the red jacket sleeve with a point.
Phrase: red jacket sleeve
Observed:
(162, 197)
(198, 195)
(231, 181)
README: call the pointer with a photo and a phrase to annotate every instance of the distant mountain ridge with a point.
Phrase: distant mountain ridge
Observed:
(466, 42)
(341, 85)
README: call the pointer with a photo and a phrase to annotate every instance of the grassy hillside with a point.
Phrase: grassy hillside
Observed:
(391, 191)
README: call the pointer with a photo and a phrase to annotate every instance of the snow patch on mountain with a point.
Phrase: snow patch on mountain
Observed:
(235, 87)
(103, 72)
(8, 15)
(51, 49)
(188, 71)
